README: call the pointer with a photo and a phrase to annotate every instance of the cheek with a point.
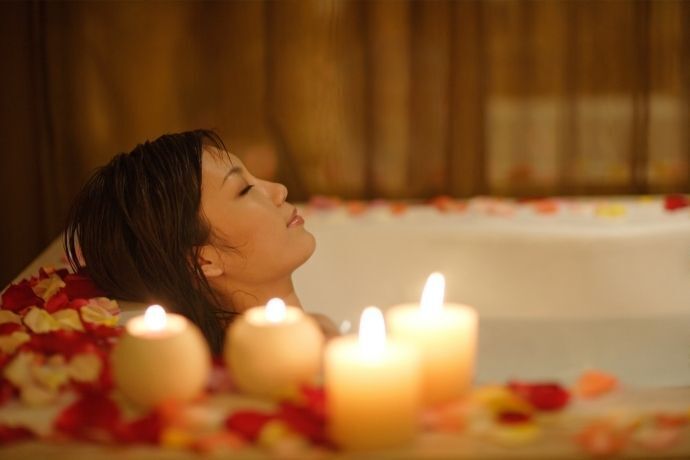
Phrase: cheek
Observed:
(259, 237)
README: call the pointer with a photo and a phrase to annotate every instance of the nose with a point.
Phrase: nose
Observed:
(278, 193)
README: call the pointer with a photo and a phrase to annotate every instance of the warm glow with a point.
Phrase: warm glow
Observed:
(155, 318)
(372, 332)
(275, 311)
(432, 296)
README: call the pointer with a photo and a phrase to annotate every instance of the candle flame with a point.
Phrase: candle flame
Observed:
(275, 311)
(372, 332)
(155, 318)
(432, 296)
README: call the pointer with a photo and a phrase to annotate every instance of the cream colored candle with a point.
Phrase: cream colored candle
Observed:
(160, 357)
(446, 336)
(271, 350)
(372, 388)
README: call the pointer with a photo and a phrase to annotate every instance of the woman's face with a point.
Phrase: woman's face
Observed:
(257, 236)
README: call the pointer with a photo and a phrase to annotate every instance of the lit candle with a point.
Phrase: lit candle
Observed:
(446, 336)
(272, 350)
(161, 356)
(372, 387)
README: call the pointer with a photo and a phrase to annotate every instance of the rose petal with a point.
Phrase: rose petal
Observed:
(48, 287)
(7, 391)
(672, 420)
(675, 202)
(656, 438)
(96, 314)
(50, 375)
(9, 328)
(305, 422)
(10, 434)
(543, 396)
(515, 435)
(272, 432)
(40, 321)
(85, 367)
(602, 438)
(68, 319)
(66, 343)
(81, 287)
(145, 430)
(57, 302)
(514, 418)
(92, 417)
(501, 399)
(398, 208)
(19, 296)
(18, 371)
(37, 395)
(174, 437)
(8, 317)
(9, 343)
(592, 384)
(248, 424)
(109, 305)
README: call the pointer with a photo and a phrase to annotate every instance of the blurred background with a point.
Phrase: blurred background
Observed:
(377, 99)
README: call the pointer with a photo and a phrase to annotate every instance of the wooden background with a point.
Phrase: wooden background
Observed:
(391, 99)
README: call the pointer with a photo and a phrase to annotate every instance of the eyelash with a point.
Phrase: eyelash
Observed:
(246, 190)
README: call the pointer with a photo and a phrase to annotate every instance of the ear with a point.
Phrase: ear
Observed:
(210, 261)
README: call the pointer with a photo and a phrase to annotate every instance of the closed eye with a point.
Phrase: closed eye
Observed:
(246, 190)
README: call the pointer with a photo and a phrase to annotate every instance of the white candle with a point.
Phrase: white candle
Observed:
(272, 350)
(372, 388)
(446, 336)
(160, 357)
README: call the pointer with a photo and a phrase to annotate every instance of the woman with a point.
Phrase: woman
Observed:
(181, 222)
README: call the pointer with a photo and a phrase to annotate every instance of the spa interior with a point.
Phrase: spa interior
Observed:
(508, 181)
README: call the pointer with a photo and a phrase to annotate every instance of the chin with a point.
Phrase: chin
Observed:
(308, 248)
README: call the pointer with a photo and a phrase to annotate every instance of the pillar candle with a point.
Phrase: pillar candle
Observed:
(160, 356)
(271, 350)
(372, 388)
(446, 336)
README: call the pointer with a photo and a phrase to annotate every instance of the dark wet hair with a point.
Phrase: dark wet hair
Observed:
(139, 226)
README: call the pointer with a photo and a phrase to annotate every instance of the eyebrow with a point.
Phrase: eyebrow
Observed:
(233, 170)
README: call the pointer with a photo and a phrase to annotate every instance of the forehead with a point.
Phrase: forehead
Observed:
(219, 157)
(215, 165)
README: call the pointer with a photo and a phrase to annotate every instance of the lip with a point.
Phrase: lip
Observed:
(295, 219)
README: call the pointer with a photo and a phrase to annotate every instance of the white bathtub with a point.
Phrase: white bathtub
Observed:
(551, 333)
(375, 261)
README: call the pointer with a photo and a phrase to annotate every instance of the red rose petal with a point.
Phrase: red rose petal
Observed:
(543, 396)
(513, 418)
(305, 422)
(674, 202)
(76, 304)
(8, 328)
(93, 417)
(443, 203)
(315, 399)
(9, 434)
(57, 302)
(7, 391)
(66, 343)
(19, 296)
(248, 424)
(82, 287)
(145, 430)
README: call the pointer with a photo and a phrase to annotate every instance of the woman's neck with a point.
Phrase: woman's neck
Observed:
(242, 299)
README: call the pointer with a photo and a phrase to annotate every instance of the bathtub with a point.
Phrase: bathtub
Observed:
(377, 259)
(526, 331)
